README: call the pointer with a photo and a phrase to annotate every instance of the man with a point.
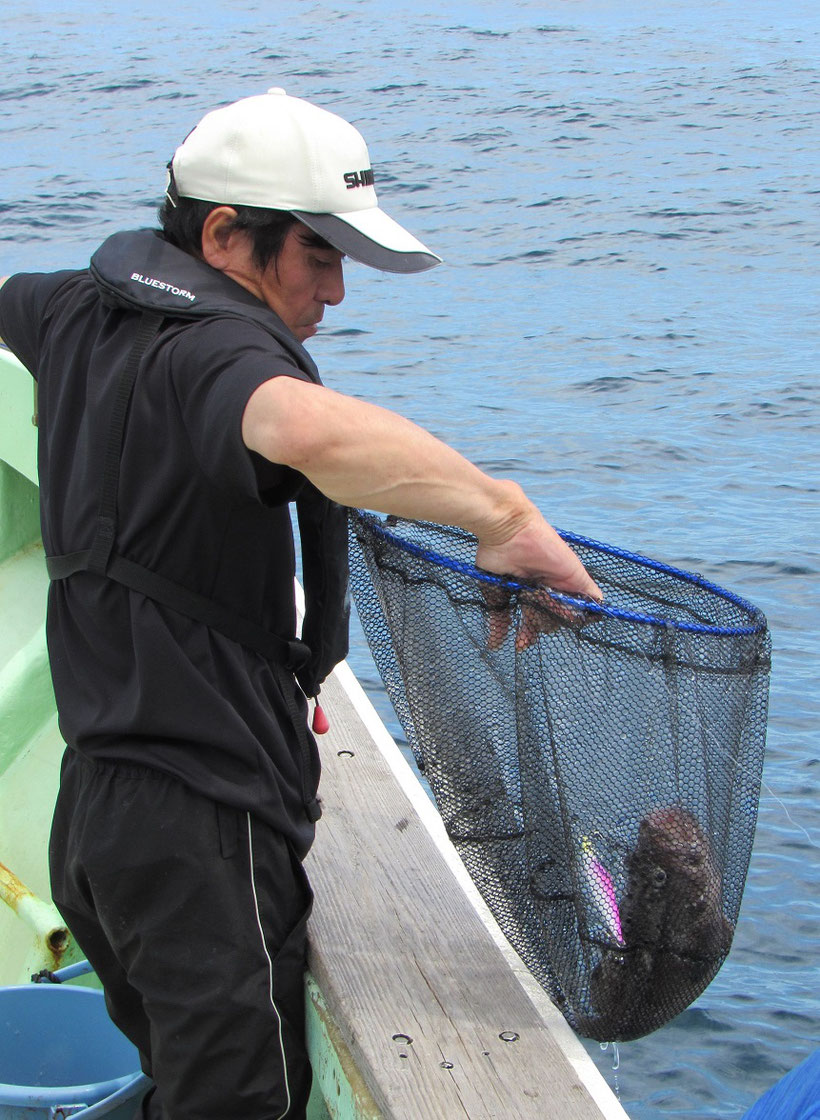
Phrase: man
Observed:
(179, 415)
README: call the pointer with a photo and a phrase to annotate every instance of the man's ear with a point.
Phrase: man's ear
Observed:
(220, 237)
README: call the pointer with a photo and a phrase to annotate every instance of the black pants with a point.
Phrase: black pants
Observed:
(193, 916)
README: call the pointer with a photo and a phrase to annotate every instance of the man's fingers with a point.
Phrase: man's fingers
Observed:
(498, 602)
(593, 591)
(500, 619)
(533, 623)
(540, 613)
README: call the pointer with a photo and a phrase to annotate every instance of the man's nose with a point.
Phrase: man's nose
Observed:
(333, 285)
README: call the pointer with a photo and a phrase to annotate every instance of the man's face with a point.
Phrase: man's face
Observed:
(306, 277)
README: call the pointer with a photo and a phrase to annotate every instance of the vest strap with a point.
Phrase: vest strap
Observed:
(289, 653)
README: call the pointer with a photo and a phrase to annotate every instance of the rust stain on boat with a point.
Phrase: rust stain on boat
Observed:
(12, 890)
(53, 937)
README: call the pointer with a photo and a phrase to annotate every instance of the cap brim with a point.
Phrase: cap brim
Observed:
(372, 238)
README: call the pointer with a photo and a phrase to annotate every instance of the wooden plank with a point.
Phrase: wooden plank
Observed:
(427, 1002)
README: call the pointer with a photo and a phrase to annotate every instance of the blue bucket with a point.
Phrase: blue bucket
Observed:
(61, 1056)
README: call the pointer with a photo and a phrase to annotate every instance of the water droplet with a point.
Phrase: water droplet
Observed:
(616, 1054)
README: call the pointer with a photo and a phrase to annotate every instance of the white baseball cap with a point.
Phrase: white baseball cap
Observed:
(282, 153)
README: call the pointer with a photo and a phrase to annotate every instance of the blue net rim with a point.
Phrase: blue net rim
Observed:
(757, 621)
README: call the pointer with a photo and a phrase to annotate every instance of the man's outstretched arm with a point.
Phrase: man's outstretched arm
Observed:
(360, 454)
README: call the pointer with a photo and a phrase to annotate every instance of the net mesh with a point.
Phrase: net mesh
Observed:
(601, 785)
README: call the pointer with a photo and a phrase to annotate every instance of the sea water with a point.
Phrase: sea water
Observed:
(626, 198)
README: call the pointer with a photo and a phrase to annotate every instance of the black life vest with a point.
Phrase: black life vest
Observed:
(140, 271)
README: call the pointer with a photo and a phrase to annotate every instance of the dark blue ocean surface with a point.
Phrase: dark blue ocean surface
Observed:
(626, 197)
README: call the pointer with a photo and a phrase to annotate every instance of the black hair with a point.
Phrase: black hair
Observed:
(182, 220)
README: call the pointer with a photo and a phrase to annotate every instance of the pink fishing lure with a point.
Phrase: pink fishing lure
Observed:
(602, 889)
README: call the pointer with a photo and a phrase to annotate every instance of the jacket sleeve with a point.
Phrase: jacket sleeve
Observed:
(24, 300)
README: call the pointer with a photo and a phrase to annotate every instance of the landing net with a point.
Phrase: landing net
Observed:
(600, 785)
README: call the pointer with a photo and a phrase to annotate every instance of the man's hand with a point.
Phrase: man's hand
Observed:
(532, 551)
